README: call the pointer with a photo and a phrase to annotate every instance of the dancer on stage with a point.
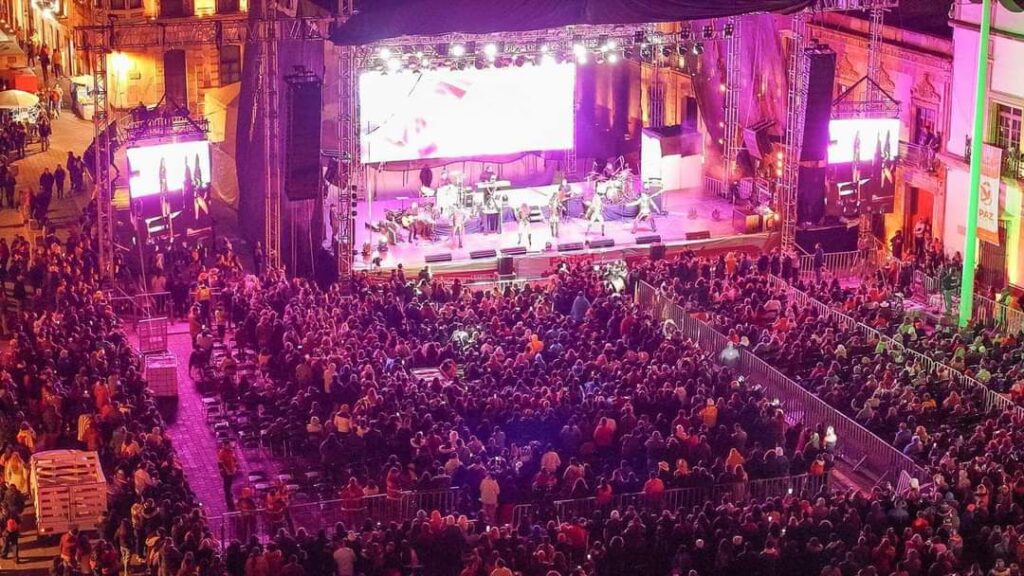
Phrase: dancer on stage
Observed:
(458, 224)
(523, 219)
(647, 209)
(556, 207)
(595, 213)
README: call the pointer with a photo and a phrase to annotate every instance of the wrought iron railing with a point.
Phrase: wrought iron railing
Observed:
(917, 156)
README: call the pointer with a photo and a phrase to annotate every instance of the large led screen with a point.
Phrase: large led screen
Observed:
(463, 113)
(858, 138)
(153, 168)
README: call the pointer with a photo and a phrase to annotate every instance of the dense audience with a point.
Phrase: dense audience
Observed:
(538, 393)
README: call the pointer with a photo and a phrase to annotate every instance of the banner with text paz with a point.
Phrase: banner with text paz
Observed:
(988, 195)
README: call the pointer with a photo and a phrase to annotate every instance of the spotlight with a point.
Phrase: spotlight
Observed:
(581, 57)
(385, 53)
(547, 59)
(682, 49)
(698, 49)
(394, 64)
(684, 34)
(628, 53)
(579, 50)
(612, 44)
(490, 50)
(424, 62)
(519, 61)
(666, 51)
(479, 64)
(458, 50)
(544, 49)
(613, 58)
(708, 32)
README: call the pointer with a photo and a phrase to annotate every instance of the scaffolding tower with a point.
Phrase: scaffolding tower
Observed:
(100, 41)
(733, 86)
(103, 149)
(786, 200)
(267, 82)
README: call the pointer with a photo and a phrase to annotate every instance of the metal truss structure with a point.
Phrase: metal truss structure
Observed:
(733, 86)
(352, 177)
(99, 41)
(267, 89)
(103, 148)
(796, 109)
(786, 200)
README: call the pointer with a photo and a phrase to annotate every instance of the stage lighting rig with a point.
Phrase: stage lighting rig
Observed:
(458, 50)
(727, 30)
(698, 49)
(708, 32)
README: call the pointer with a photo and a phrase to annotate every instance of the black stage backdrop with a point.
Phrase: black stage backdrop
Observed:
(383, 19)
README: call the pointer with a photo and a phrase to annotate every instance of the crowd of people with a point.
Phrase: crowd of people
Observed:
(564, 391)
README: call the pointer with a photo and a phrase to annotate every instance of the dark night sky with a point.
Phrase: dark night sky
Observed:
(929, 16)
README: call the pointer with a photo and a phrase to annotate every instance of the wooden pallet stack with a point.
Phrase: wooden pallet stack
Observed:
(69, 490)
(161, 373)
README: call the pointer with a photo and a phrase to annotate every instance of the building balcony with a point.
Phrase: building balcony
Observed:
(1013, 164)
(917, 157)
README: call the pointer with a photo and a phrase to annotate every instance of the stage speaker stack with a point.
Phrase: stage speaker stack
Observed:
(601, 243)
(821, 77)
(432, 258)
(506, 266)
(657, 251)
(514, 251)
(480, 254)
(302, 142)
(648, 239)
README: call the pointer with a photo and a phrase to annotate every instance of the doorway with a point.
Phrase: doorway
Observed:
(175, 79)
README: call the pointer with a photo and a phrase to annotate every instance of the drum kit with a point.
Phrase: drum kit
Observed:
(620, 188)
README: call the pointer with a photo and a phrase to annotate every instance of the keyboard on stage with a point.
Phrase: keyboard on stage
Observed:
(496, 185)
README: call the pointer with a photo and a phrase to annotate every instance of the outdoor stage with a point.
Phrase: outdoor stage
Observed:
(683, 212)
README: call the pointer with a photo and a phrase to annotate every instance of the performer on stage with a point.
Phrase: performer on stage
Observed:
(523, 219)
(488, 175)
(458, 224)
(609, 170)
(647, 209)
(556, 207)
(595, 213)
(445, 178)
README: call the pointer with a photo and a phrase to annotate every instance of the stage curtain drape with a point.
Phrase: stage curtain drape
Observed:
(383, 19)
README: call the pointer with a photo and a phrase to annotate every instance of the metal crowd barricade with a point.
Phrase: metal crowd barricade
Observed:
(688, 498)
(856, 444)
(989, 398)
(715, 186)
(841, 265)
(313, 516)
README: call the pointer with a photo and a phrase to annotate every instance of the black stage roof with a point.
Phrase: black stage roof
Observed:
(377, 20)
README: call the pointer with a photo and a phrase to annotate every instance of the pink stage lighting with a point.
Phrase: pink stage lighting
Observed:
(862, 134)
(145, 172)
(465, 113)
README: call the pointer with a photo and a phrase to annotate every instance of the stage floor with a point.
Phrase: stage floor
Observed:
(684, 211)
